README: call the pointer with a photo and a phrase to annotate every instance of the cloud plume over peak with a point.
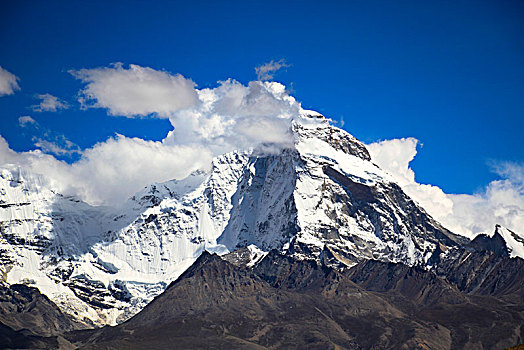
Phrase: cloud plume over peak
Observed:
(227, 117)
(212, 121)
(234, 116)
(206, 122)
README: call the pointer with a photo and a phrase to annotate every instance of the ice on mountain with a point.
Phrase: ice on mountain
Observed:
(322, 192)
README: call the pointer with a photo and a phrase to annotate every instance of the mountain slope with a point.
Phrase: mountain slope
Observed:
(23, 307)
(287, 303)
(29, 320)
(322, 196)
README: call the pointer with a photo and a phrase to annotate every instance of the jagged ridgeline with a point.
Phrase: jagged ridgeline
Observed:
(321, 201)
(283, 302)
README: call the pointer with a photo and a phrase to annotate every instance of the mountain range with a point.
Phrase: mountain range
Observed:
(309, 245)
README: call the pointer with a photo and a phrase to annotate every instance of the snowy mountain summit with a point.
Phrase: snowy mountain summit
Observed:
(321, 198)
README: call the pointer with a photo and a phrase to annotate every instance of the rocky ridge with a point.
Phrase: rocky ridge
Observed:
(321, 200)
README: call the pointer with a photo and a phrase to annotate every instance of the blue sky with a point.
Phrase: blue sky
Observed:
(449, 73)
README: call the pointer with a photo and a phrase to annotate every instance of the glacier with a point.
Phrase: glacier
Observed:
(321, 196)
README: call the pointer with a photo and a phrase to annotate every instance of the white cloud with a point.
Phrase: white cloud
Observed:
(25, 121)
(58, 145)
(111, 171)
(233, 116)
(49, 103)
(117, 168)
(46, 140)
(8, 83)
(500, 202)
(135, 91)
(223, 118)
(267, 70)
(212, 121)
(394, 156)
(209, 122)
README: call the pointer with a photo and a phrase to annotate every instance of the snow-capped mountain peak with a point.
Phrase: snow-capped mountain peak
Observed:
(322, 194)
(514, 242)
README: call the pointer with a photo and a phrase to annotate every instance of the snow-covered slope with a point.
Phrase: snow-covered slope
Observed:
(43, 234)
(104, 264)
(514, 242)
(510, 243)
(322, 196)
(502, 242)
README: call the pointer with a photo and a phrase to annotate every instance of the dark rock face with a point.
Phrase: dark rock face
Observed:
(286, 303)
(477, 322)
(23, 307)
(484, 273)
(495, 244)
(394, 217)
(339, 140)
(11, 339)
(419, 286)
(29, 320)
(263, 203)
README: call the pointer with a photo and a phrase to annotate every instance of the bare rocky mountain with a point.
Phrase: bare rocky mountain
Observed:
(29, 319)
(285, 303)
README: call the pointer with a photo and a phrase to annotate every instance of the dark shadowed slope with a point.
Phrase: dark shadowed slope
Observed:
(27, 317)
(286, 303)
